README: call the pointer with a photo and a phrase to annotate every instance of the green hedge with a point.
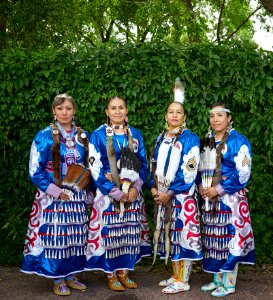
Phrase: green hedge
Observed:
(145, 77)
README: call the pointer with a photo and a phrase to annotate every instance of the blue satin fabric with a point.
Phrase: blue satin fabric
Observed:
(115, 242)
(228, 237)
(185, 235)
(55, 245)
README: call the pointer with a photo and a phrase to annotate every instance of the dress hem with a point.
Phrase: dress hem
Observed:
(49, 276)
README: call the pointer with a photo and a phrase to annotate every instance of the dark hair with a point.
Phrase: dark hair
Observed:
(108, 103)
(59, 99)
(220, 104)
(166, 110)
(116, 97)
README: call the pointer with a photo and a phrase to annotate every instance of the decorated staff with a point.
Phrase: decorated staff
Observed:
(55, 245)
(118, 234)
(227, 232)
(174, 163)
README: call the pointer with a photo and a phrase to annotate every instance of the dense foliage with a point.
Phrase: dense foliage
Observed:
(145, 76)
(41, 24)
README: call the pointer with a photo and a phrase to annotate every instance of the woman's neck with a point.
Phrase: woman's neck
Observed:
(118, 128)
(219, 135)
(119, 131)
(172, 131)
(66, 127)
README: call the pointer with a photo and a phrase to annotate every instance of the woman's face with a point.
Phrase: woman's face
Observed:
(116, 111)
(175, 115)
(219, 120)
(64, 113)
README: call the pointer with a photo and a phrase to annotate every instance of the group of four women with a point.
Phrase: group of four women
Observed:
(61, 241)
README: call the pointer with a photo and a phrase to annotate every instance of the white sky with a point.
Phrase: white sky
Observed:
(263, 38)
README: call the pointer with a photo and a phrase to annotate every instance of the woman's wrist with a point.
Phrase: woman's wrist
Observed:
(53, 190)
(137, 184)
(170, 193)
(219, 189)
(116, 193)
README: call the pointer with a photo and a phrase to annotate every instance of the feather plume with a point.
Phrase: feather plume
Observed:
(179, 91)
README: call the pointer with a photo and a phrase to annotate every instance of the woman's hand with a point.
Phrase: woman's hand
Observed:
(209, 193)
(64, 196)
(124, 197)
(162, 198)
(201, 190)
(132, 194)
(154, 192)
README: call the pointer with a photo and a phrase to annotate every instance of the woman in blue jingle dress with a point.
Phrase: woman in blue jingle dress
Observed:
(175, 159)
(117, 239)
(227, 232)
(55, 245)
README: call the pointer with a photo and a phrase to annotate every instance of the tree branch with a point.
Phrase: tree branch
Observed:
(109, 31)
(219, 22)
(242, 23)
(144, 35)
(3, 24)
(86, 38)
(193, 37)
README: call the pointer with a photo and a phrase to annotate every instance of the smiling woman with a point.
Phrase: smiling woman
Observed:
(175, 115)
(227, 233)
(55, 245)
(118, 234)
(219, 121)
(116, 111)
(174, 159)
(64, 111)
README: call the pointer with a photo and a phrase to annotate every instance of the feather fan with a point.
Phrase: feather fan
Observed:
(207, 164)
(129, 166)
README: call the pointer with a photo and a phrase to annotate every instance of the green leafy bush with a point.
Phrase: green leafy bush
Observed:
(145, 77)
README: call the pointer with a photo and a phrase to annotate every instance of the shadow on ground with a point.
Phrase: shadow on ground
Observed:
(252, 283)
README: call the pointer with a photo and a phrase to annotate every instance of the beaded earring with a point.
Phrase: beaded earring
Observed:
(209, 134)
(183, 125)
(229, 127)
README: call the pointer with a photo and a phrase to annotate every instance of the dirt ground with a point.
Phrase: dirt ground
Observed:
(252, 283)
